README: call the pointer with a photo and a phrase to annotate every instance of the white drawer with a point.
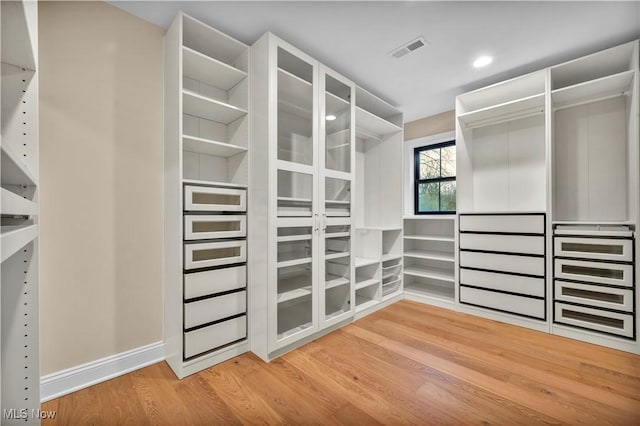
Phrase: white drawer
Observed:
(212, 199)
(594, 295)
(596, 272)
(495, 281)
(594, 319)
(503, 262)
(214, 308)
(200, 284)
(207, 255)
(204, 227)
(594, 248)
(216, 335)
(507, 243)
(514, 224)
(503, 302)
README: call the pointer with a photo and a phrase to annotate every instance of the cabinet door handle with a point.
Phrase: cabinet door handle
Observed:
(316, 225)
(324, 222)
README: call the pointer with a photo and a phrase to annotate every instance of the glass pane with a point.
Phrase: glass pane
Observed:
(430, 164)
(337, 125)
(295, 109)
(428, 197)
(295, 193)
(337, 197)
(448, 161)
(448, 196)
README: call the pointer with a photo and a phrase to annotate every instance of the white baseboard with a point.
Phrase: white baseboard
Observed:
(64, 382)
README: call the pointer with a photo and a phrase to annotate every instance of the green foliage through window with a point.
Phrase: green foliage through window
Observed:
(435, 178)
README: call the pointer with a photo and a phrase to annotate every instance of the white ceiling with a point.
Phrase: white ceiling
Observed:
(355, 38)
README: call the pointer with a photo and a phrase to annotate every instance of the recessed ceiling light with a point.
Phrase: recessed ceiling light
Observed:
(330, 117)
(482, 61)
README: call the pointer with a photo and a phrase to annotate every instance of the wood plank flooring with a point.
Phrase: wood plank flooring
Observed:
(406, 364)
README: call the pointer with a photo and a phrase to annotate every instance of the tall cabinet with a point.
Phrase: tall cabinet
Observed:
(302, 178)
(206, 160)
(547, 199)
(19, 369)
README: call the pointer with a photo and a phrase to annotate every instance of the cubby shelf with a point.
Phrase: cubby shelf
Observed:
(295, 293)
(362, 261)
(367, 283)
(16, 237)
(293, 261)
(211, 71)
(591, 90)
(511, 110)
(335, 281)
(369, 125)
(337, 234)
(430, 255)
(430, 290)
(336, 255)
(391, 256)
(15, 205)
(434, 273)
(429, 238)
(210, 109)
(291, 238)
(211, 147)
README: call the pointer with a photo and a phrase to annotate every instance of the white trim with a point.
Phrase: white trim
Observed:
(64, 382)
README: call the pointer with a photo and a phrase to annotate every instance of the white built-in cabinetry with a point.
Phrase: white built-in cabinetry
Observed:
(547, 181)
(206, 183)
(319, 143)
(20, 389)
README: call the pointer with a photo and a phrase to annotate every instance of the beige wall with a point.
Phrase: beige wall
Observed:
(101, 182)
(440, 123)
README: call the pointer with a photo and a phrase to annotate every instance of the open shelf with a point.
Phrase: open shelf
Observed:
(15, 205)
(363, 261)
(211, 71)
(210, 147)
(593, 90)
(391, 256)
(15, 237)
(434, 273)
(429, 238)
(369, 125)
(433, 290)
(210, 109)
(511, 110)
(432, 255)
(18, 49)
(13, 171)
(367, 283)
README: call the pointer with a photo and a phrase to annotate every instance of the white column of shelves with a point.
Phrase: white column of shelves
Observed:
(595, 209)
(378, 213)
(19, 370)
(429, 259)
(206, 180)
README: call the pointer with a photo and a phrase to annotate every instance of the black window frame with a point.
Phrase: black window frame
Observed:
(417, 181)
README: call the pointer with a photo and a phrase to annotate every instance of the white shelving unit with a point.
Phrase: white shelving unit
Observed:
(430, 259)
(19, 370)
(206, 171)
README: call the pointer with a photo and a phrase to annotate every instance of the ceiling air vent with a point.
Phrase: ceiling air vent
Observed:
(409, 47)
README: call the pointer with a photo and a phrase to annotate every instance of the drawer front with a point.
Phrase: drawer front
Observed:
(216, 335)
(214, 309)
(503, 262)
(595, 272)
(506, 243)
(594, 295)
(207, 255)
(519, 305)
(200, 284)
(514, 224)
(594, 319)
(212, 199)
(204, 227)
(594, 248)
(494, 281)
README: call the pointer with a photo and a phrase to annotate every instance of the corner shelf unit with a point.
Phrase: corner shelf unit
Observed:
(429, 259)
(206, 183)
(19, 336)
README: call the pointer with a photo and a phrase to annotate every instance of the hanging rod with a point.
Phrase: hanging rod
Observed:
(591, 100)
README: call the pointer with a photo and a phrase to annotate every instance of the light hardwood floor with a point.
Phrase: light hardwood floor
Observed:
(408, 363)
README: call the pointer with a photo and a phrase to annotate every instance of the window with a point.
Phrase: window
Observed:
(435, 179)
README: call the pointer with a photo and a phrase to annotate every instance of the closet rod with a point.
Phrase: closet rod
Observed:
(506, 117)
(589, 101)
